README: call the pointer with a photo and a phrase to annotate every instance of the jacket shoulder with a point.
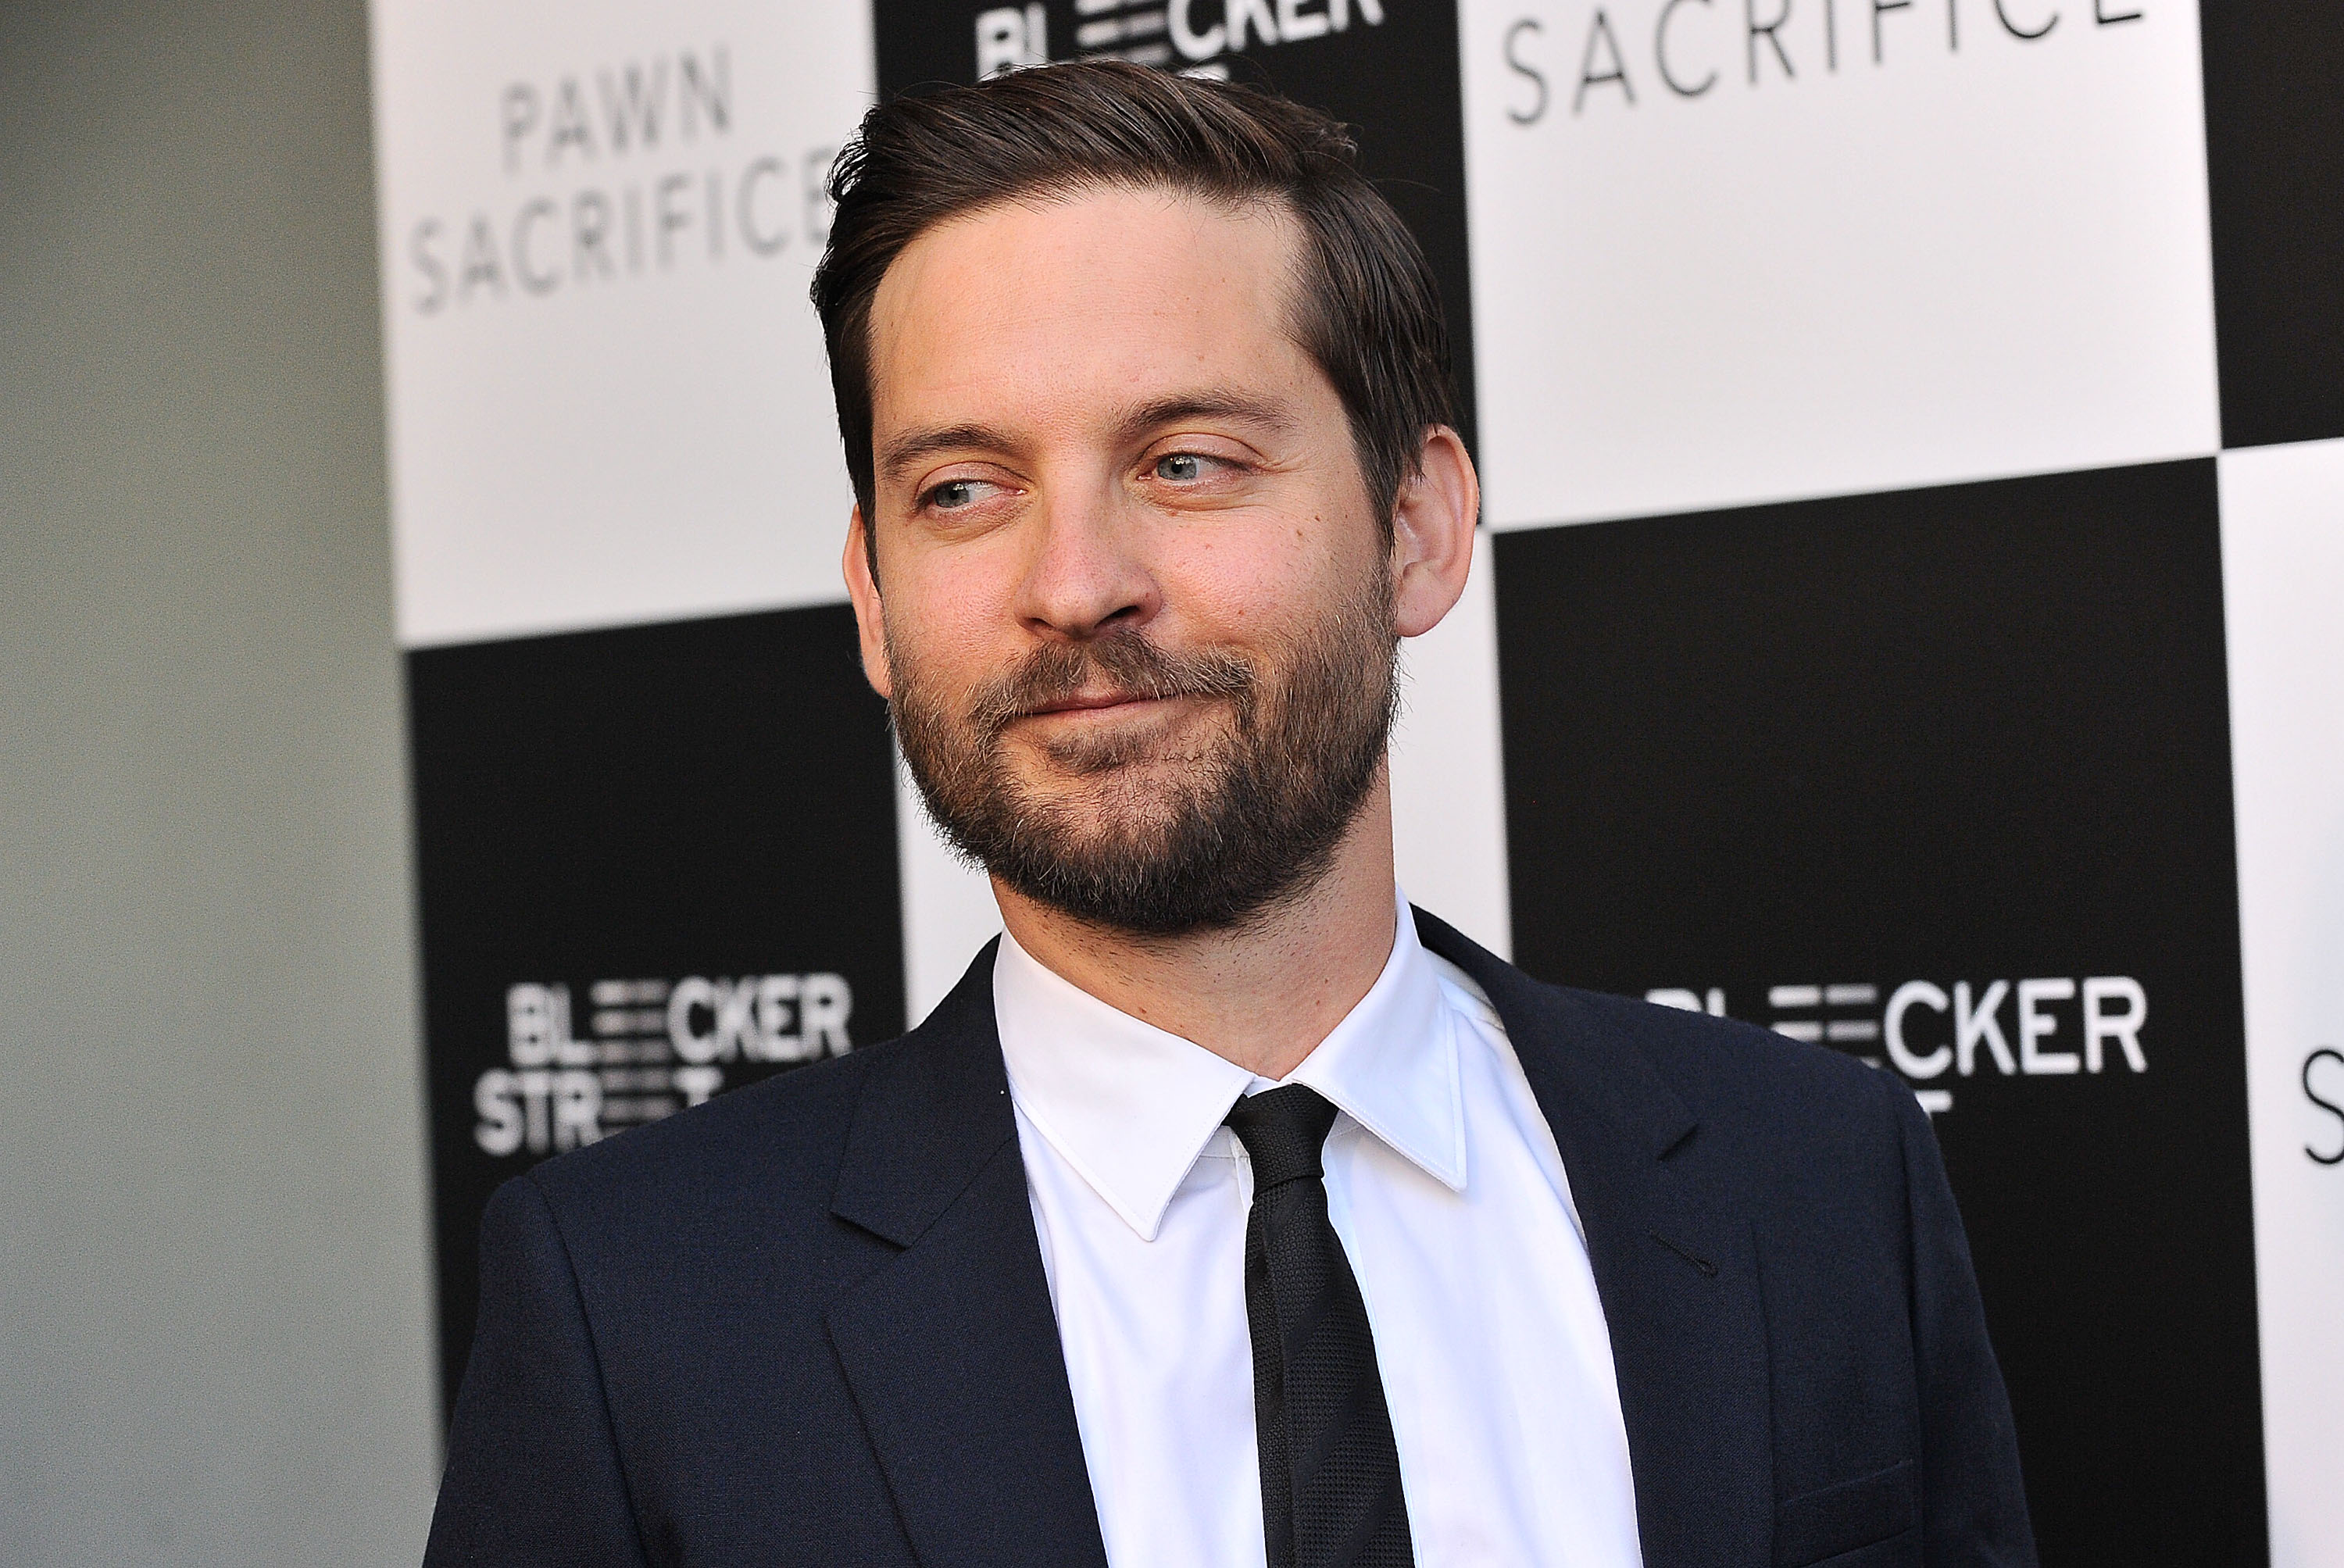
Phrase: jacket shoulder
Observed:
(1721, 1070)
(1794, 1128)
(1718, 1065)
(783, 1133)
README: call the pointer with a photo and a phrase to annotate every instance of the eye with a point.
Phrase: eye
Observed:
(1180, 468)
(955, 494)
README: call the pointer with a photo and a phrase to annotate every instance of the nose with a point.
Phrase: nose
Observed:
(1084, 574)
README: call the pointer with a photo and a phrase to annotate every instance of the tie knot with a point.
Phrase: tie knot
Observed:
(1283, 1130)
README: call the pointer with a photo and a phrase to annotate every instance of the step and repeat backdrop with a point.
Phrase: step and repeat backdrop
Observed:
(1910, 613)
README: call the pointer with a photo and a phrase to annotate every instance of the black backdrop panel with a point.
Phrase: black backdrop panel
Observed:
(2275, 176)
(656, 863)
(1388, 67)
(1918, 774)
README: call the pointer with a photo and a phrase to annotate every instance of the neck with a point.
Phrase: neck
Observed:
(1263, 996)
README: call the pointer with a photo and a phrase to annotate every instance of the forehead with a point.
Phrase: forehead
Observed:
(1083, 300)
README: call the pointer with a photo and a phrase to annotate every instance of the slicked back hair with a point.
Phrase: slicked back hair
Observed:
(1365, 306)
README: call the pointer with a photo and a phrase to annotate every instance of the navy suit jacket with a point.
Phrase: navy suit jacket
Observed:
(807, 1323)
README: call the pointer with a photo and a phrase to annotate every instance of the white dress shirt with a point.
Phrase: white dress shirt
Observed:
(1445, 1186)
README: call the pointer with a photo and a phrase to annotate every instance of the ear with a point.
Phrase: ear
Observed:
(869, 615)
(1432, 533)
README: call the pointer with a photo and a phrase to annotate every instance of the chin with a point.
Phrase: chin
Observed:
(1118, 764)
(1177, 736)
(1128, 802)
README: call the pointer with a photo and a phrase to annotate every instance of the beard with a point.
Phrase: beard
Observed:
(1159, 833)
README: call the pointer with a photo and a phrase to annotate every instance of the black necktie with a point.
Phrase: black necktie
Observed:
(1330, 1494)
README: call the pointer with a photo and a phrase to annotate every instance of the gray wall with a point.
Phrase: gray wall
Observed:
(213, 1283)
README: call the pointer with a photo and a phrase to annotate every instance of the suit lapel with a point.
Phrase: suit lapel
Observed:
(1674, 1264)
(951, 1348)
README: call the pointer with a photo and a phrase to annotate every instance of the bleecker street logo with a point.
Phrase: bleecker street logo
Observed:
(1194, 35)
(2046, 1026)
(650, 1049)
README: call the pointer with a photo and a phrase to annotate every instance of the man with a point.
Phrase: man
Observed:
(1228, 1212)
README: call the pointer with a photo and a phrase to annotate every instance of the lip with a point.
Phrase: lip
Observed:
(1091, 703)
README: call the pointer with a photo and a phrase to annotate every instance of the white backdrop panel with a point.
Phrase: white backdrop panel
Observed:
(1449, 787)
(607, 396)
(1808, 269)
(2283, 573)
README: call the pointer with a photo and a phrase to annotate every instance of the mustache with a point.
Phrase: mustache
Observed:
(1126, 661)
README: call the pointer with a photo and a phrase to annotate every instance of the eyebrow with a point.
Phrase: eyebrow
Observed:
(912, 446)
(1275, 417)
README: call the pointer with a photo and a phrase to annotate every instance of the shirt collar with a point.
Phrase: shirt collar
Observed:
(1131, 1107)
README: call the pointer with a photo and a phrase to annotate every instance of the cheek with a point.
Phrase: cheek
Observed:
(1259, 584)
(946, 621)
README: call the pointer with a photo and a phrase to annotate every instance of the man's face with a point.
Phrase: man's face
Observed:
(1132, 609)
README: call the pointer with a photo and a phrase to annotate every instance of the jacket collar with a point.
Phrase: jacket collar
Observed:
(1617, 1085)
(951, 1348)
(930, 1115)
(1675, 1263)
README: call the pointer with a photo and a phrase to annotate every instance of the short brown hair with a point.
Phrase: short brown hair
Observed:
(1367, 310)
